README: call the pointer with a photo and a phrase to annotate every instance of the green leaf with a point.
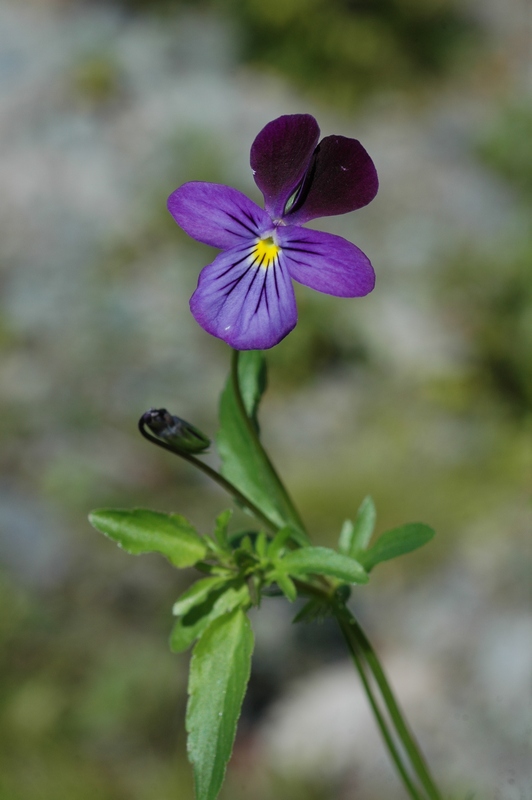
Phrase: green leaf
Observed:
(253, 379)
(395, 543)
(220, 530)
(285, 584)
(354, 538)
(244, 460)
(346, 537)
(261, 545)
(213, 604)
(278, 543)
(237, 537)
(196, 594)
(139, 530)
(219, 672)
(323, 561)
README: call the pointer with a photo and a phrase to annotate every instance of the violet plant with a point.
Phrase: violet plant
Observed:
(245, 297)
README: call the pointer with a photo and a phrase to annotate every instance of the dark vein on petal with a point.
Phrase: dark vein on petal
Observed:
(303, 250)
(237, 280)
(277, 263)
(252, 281)
(232, 266)
(233, 284)
(310, 266)
(249, 216)
(239, 222)
(229, 230)
(262, 291)
(266, 278)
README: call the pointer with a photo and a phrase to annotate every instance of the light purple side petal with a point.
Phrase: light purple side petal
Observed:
(248, 306)
(216, 214)
(325, 262)
(280, 156)
(341, 178)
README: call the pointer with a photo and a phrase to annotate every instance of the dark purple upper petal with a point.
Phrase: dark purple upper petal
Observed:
(248, 305)
(280, 156)
(325, 262)
(341, 178)
(217, 215)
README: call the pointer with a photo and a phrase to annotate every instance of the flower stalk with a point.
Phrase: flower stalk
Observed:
(215, 476)
(365, 658)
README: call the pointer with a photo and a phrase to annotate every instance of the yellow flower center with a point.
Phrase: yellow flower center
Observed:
(265, 252)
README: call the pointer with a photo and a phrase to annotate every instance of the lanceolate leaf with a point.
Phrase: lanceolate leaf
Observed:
(395, 543)
(278, 542)
(142, 531)
(285, 584)
(220, 530)
(323, 561)
(196, 594)
(355, 538)
(219, 672)
(244, 460)
(218, 601)
(261, 544)
(346, 537)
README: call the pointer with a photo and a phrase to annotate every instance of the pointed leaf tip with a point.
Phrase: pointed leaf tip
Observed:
(396, 542)
(323, 561)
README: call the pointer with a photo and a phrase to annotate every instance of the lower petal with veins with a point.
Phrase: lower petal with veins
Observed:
(240, 300)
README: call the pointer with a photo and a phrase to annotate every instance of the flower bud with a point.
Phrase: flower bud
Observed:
(174, 431)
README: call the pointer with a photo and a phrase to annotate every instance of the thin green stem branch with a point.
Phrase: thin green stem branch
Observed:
(353, 633)
(229, 487)
(403, 730)
(387, 735)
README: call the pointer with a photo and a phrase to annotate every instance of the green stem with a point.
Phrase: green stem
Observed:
(253, 435)
(354, 634)
(353, 647)
(229, 487)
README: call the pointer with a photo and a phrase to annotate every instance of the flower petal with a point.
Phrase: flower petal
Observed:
(325, 262)
(280, 156)
(249, 306)
(216, 214)
(341, 178)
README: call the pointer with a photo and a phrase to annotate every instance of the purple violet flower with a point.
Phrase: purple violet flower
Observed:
(246, 297)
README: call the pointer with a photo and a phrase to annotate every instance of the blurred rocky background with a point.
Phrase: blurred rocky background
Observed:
(419, 395)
